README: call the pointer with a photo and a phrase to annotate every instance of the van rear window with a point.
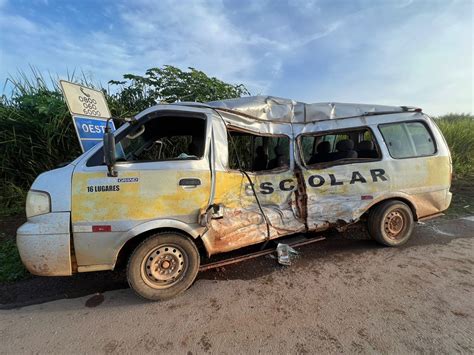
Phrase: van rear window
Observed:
(408, 139)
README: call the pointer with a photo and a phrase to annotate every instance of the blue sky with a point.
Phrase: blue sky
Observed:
(405, 52)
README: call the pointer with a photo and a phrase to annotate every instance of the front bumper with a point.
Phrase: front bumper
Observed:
(44, 243)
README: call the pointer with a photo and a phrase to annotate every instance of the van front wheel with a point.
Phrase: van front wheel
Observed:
(163, 266)
(391, 223)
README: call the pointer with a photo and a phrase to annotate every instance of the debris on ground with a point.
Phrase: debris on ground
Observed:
(284, 251)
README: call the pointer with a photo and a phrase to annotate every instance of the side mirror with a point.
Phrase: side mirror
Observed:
(109, 153)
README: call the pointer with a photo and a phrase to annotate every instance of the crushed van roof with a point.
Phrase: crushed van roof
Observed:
(271, 108)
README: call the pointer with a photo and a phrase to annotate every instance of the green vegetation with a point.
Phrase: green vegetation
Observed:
(168, 84)
(37, 133)
(458, 129)
(11, 268)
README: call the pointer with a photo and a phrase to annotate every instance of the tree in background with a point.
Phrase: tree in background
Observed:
(37, 133)
(168, 84)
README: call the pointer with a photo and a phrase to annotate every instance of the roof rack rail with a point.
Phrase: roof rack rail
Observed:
(403, 109)
(411, 109)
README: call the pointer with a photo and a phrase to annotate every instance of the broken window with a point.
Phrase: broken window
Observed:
(408, 139)
(341, 146)
(258, 153)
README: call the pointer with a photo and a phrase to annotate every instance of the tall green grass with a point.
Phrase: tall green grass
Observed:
(458, 129)
(36, 134)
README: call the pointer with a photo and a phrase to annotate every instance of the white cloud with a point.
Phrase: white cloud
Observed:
(17, 23)
(424, 59)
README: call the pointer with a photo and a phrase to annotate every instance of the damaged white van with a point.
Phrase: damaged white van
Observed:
(182, 182)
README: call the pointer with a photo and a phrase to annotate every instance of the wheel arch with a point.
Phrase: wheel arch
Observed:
(138, 234)
(402, 198)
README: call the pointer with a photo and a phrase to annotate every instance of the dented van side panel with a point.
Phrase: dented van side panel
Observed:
(343, 193)
(243, 222)
(334, 195)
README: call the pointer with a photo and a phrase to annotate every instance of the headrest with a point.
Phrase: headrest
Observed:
(279, 150)
(365, 145)
(345, 145)
(323, 147)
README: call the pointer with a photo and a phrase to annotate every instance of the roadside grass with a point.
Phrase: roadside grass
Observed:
(458, 130)
(11, 268)
(462, 203)
(13, 210)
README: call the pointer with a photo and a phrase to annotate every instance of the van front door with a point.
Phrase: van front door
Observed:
(163, 174)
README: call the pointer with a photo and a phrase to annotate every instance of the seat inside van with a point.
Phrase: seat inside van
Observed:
(345, 150)
(366, 149)
(333, 146)
(322, 153)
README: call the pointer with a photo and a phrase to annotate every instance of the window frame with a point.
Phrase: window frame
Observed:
(144, 120)
(328, 164)
(410, 138)
(279, 170)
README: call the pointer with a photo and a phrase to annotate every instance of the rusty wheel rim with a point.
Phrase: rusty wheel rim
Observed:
(164, 266)
(394, 224)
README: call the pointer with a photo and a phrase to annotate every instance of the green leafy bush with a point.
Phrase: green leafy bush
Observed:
(11, 268)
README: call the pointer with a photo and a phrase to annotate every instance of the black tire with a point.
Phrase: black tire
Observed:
(163, 266)
(391, 223)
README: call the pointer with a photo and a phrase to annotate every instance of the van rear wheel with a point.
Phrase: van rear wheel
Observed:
(391, 223)
(163, 266)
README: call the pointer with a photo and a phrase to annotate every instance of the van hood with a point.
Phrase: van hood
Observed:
(57, 183)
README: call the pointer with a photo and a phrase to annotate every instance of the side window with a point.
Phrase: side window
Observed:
(408, 139)
(344, 146)
(159, 139)
(258, 153)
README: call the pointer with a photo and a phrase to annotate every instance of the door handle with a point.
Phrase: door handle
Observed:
(189, 182)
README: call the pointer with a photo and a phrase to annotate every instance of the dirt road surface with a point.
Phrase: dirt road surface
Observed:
(340, 295)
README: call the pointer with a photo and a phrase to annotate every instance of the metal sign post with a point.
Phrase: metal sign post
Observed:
(89, 111)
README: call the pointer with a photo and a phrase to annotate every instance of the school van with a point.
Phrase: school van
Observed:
(183, 182)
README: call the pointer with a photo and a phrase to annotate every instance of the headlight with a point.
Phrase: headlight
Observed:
(37, 202)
